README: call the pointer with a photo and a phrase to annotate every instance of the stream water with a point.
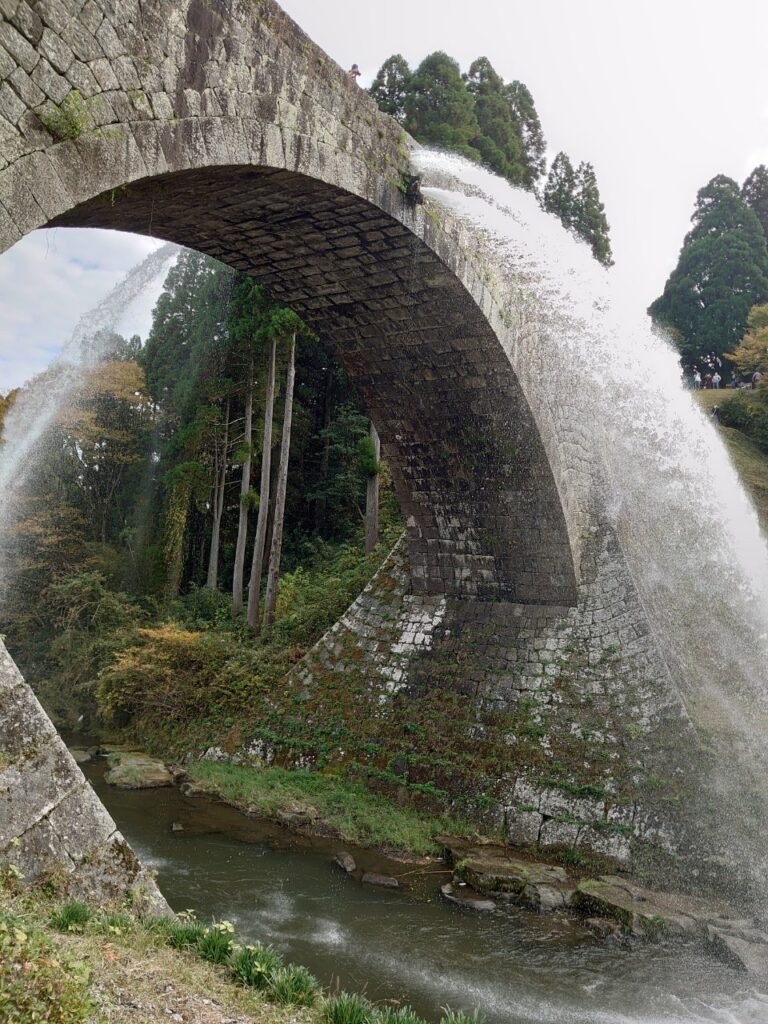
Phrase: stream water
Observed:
(517, 967)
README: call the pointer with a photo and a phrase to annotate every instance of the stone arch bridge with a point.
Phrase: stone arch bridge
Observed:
(219, 125)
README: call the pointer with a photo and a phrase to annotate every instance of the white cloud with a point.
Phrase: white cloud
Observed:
(48, 280)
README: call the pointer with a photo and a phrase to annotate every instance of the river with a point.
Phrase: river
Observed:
(516, 966)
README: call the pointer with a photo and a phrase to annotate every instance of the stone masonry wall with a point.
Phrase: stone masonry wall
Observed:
(52, 825)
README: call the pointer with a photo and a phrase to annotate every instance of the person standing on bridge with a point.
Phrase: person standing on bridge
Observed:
(354, 73)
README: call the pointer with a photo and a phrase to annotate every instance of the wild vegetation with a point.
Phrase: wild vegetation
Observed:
(152, 584)
(494, 122)
(68, 963)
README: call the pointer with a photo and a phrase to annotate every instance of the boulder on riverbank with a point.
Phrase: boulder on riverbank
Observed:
(136, 770)
(492, 870)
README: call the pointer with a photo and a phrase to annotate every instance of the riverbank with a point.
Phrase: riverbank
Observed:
(478, 873)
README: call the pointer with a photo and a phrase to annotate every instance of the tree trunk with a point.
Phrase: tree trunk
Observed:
(325, 458)
(218, 507)
(257, 564)
(372, 499)
(270, 598)
(245, 486)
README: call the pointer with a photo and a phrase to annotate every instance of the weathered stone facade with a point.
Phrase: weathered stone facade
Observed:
(219, 125)
(51, 823)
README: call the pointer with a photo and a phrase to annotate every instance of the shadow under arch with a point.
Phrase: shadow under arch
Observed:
(483, 512)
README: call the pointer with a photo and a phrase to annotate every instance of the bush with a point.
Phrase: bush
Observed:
(750, 417)
(36, 985)
(215, 944)
(255, 965)
(292, 985)
(182, 934)
(348, 1008)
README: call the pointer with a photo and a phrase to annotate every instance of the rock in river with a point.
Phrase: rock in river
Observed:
(136, 770)
(385, 881)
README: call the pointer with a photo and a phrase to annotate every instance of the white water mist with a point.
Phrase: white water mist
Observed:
(39, 403)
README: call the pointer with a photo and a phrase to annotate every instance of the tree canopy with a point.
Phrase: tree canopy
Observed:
(721, 273)
(486, 119)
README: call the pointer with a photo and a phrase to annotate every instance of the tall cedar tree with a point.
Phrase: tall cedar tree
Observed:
(559, 196)
(391, 85)
(440, 110)
(721, 273)
(754, 192)
(590, 222)
(498, 140)
(530, 131)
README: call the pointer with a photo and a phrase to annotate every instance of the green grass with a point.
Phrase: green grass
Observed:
(750, 462)
(359, 816)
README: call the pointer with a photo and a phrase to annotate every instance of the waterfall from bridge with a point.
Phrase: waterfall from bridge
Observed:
(690, 533)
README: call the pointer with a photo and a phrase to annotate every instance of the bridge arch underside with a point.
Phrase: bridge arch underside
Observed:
(484, 517)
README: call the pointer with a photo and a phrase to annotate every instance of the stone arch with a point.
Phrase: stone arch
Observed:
(483, 514)
(223, 127)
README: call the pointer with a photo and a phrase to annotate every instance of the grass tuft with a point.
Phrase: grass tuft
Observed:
(348, 1008)
(71, 917)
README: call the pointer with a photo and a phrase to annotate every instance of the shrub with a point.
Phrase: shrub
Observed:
(348, 1008)
(292, 985)
(183, 934)
(71, 119)
(36, 985)
(215, 944)
(255, 965)
(71, 917)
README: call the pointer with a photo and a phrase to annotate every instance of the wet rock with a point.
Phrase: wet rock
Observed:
(643, 913)
(605, 928)
(135, 770)
(384, 881)
(194, 789)
(346, 862)
(465, 898)
(743, 946)
(492, 870)
(80, 755)
(296, 815)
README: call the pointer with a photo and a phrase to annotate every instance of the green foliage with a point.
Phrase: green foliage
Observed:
(398, 1015)
(183, 933)
(391, 85)
(254, 966)
(70, 120)
(349, 807)
(348, 1008)
(477, 115)
(71, 917)
(460, 1017)
(750, 418)
(439, 107)
(754, 192)
(721, 273)
(293, 986)
(573, 197)
(36, 985)
(215, 944)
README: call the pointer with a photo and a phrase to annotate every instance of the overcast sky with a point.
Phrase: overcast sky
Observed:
(658, 95)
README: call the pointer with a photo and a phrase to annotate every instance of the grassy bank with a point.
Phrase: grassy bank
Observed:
(750, 461)
(67, 963)
(334, 805)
